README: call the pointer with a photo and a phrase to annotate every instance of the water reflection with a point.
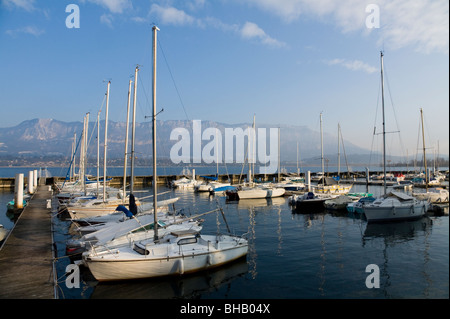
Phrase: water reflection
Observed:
(397, 232)
(393, 236)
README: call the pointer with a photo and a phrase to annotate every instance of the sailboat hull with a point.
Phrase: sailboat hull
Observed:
(164, 260)
(395, 213)
(257, 192)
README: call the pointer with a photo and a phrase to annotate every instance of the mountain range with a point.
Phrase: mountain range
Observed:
(49, 137)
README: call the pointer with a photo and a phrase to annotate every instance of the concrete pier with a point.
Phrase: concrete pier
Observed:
(26, 259)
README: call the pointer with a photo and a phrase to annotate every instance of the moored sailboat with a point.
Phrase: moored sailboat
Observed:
(177, 252)
(393, 206)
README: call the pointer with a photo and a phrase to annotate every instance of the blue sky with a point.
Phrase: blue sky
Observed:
(283, 60)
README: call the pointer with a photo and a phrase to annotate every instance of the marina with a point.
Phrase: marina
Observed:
(180, 198)
(323, 254)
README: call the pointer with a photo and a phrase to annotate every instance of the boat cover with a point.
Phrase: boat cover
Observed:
(125, 210)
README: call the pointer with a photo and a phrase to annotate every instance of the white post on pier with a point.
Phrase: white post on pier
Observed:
(18, 191)
(35, 178)
(30, 182)
(308, 180)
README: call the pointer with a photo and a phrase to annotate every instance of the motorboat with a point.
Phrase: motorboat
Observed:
(310, 201)
(395, 206)
(338, 203)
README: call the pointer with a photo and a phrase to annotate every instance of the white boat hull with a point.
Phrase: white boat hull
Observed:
(261, 193)
(393, 213)
(436, 197)
(164, 260)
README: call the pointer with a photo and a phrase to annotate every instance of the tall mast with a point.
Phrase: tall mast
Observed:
(98, 152)
(85, 151)
(155, 184)
(339, 152)
(253, 146)
(126, 144)
(81, 169)
(384, 129)
(279, 155)
(74, 147)
(424, 156)
(106, 142)
(133, 130)
(321, 149)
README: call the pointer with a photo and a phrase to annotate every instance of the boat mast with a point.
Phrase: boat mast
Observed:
(279, 155)
(339, 153)
(126, 144)
(133, 130)
(424, 156)
(321, 149)
(98, 151)
(106, 142)
(85, 152)
(81, 169)
(384, 130)
(74, 148)
(155, 184)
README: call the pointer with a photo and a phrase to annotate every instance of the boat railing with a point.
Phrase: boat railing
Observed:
(106, 249)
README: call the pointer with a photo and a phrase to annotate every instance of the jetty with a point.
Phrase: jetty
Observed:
(26, 257)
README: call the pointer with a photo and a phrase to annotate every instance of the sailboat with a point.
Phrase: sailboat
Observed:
(177, 252)
(393, 206)
(319, 194)
(437, 195)
(328, 185)
(252, 190)
(107, 203)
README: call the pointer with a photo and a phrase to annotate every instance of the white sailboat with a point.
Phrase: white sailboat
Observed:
(177, 252)
(395, 205)
(114, 234)
(185, 182)
(436, 195)
(253, 190)
(328, 185)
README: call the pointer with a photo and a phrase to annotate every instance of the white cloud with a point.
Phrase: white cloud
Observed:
(218, 24)
(139, 19)
(251, 30)
(27, 30)
(171, 15)
(422, 24)
(115, 6)
(354, 65)
(107, 19)
(27, 5)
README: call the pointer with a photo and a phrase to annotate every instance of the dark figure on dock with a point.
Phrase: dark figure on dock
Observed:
(133, 206)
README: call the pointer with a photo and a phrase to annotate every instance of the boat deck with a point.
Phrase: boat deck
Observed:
(26, 256)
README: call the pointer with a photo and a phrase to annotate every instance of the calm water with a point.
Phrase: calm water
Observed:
(291, 256)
